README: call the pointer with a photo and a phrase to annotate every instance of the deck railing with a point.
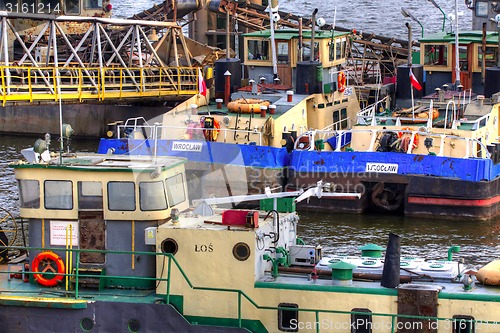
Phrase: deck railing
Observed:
(172, 265)
(31, 84)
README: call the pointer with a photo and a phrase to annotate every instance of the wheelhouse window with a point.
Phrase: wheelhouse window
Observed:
(58, 194)
(121, 196)
(307, 50)
(93, 4)
(436, 55)
(288, 320)
(340, 47)
(175, 189)
(29, 193)
(49, 6)
(490, 56)
(283, 52)
(72, 6)
(90, 195)
(361, 323)
(258, 49)
(152, 196)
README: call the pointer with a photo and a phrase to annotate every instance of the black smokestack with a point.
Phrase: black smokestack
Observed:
(390, 274)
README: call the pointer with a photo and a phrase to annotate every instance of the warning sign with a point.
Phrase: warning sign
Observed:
(60, 232)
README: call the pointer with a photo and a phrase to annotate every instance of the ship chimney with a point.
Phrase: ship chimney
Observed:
(391, 271)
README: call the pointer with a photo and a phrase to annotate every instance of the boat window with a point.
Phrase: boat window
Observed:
(435, 55)
(49, 6)
(490, 56)
(288, 319)
(343, 116)
(307, 50)
(121, 196)
(152, 196)
(258, 50)
(72, 6)
(29, 193)
(93, 4)
(7, 5)
(340, 47)
(90, 195)
(361, 323)
(331, 51)
(58, 194)
(462, 58)
(463, 324)
(282, 52)
(336, 119)
(175, 189)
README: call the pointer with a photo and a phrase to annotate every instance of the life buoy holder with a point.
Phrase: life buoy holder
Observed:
(48, 259)
(341, 79)
(303, 143)
(415, 138)
(211, 128)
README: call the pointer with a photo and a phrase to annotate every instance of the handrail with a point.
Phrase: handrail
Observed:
(27, 83)
(413, 133)
(155, 129)
(240, 293)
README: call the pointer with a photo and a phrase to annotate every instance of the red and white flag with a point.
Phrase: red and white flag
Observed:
(202, 87)
(414, 82)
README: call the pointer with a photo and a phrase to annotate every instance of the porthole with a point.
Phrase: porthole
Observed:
(169, 246)
(86, 324)
(134, 325)
(241, 251)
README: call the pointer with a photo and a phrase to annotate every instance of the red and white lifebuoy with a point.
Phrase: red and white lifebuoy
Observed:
(48, 259)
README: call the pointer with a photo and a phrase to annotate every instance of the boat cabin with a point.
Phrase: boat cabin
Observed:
(292, 49)
(477, 51)
(100, 202)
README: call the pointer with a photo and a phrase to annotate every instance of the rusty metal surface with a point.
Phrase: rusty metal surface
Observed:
(419, 301)
(92, 237)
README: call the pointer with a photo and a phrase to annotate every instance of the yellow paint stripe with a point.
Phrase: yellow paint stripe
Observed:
(133, 244)
(63, 300)
(43, 232)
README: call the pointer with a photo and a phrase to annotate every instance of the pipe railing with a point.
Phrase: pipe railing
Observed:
(241, 296)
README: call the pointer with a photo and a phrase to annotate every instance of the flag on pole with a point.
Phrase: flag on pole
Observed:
(414, 82)
(202, 87)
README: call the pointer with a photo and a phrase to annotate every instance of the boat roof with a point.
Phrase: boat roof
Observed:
(105, 162)
(294, 33)
(466, 37)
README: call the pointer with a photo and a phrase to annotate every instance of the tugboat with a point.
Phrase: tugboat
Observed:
(436, 158)
(114, 247)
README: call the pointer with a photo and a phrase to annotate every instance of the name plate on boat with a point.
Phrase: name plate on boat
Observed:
(187, 146)
(382, 167)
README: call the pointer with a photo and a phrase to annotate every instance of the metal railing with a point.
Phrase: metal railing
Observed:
(26, 83)
(172, 264)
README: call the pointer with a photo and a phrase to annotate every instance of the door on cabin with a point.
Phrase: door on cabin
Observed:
(283, 56)
(92, 227)
(465, 65)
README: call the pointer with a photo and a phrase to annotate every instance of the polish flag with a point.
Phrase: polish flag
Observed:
(202, 87)
(414, 82)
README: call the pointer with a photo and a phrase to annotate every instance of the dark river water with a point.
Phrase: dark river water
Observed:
(338, 233)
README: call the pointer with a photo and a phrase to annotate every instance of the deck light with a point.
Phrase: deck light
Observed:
(444, 15)
(406, 13)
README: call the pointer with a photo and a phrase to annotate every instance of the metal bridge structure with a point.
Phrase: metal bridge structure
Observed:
(109, 59)
(370, 55)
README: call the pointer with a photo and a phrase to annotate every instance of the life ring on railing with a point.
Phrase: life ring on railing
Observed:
(48, 258)
(211, 128)
(341, 79)
(405, 141)
(303, 143)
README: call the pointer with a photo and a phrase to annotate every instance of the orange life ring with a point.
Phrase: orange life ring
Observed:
(341, 79)
(249, 105)
(48, 258)
(415, 138)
